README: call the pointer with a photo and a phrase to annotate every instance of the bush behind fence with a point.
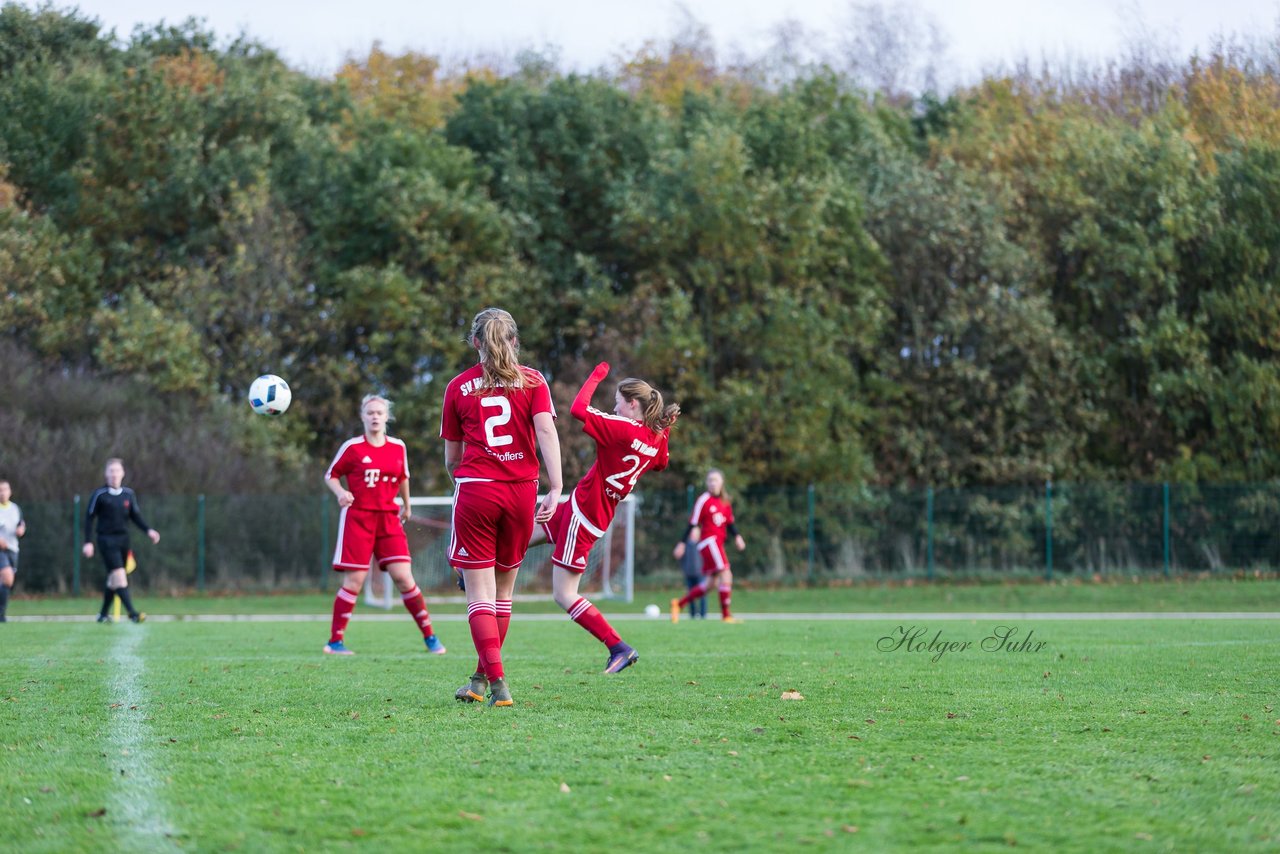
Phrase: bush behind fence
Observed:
(818, 534)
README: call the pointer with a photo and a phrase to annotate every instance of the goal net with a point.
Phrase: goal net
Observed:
(610, 566)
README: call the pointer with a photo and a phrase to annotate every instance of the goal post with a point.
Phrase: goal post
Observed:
(610, 566)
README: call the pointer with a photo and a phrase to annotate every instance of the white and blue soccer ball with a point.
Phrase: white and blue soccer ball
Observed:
(269, 395)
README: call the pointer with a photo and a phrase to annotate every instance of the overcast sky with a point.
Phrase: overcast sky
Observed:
(316, 35)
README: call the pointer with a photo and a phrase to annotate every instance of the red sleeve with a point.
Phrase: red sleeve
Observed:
(542, 397)
(450, 426)
(595, 424)
(583, 401)
(341, 464)
(664, 455)
(695, 518)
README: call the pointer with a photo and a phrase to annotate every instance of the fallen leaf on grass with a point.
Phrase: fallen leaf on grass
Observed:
(792, 695)
(356, 831)
(1146, 837)
(470, 816)
(98, 813)
(564, 787)
(950, 715)
(850, 828)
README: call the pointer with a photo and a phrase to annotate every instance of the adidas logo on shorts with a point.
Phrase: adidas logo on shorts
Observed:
(582, 561)
(462, 552)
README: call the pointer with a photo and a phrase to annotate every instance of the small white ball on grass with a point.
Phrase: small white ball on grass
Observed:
(652, 611)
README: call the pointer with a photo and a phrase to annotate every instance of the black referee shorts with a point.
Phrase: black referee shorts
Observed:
(114, 551)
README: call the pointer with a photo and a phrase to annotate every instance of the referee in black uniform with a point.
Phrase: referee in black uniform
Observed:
(113, 505)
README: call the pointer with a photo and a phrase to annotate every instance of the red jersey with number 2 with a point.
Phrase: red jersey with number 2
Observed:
(496, 425)
(625, 449)
(374, 474)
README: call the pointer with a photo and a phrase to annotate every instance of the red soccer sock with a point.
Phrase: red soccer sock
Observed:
(699, 589)
(725, 598)
(589, 617)
(343, 604)
(484, 634)
(503, 608)
(416, 604)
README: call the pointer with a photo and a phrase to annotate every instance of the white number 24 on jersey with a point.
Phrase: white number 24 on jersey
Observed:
(494, 421)
(616, 480)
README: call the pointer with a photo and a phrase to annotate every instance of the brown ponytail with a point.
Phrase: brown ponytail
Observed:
(494, 334)
(653, 414)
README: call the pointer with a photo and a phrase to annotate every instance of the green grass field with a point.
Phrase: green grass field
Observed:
(1114, 735)
(1187, 594)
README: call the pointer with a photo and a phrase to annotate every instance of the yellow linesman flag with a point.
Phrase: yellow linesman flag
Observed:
(129, 563)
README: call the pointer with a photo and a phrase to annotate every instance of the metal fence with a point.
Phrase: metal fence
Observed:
(818, 534)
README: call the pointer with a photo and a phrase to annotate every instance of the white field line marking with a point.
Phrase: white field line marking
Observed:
(137, 807)
(363, 615)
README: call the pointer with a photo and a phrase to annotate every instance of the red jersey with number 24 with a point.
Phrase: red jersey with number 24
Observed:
(713, 516)
(374, 474)
(495, 425)
(625, 449)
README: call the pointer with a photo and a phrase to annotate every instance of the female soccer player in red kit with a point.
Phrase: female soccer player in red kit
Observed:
(494, 415)
(709, 524)
(370, 524)
(629, 442)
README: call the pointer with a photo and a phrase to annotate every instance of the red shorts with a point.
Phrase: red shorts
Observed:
(492, 523)
(713, 557)
(362, 534)
(572, 535)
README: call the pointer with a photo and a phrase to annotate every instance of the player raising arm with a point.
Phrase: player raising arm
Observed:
(629, 442)
(494, 415)
(709, 524)
(370, 524)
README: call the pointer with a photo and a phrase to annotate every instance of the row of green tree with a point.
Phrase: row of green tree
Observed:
(1029, 278)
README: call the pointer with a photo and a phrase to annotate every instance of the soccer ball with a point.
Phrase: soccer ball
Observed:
(269, 395)
(652, 611)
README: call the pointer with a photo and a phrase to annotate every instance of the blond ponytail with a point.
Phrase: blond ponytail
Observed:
(494, 334)
(653, 414)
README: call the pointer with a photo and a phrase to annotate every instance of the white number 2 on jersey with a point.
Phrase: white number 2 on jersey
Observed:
(616, 480)
(493, 421)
